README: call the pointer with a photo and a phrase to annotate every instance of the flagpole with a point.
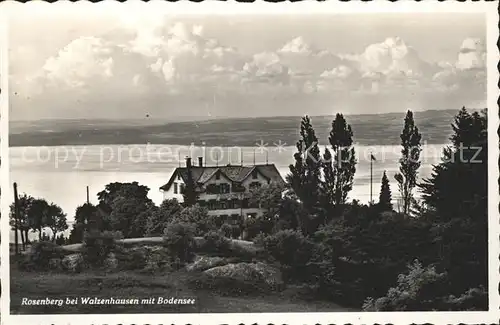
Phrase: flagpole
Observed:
(371, 178)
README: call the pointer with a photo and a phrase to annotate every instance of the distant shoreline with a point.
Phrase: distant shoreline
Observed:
(381, 129)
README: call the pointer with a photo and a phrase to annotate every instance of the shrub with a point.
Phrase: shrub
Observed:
(216, 243)
(259, 240)
(420, 289)
(157, 260)
(257, 225)
(197, 216)
(292, 250)
(60, 240)
(40, 255)
(97, 246)
(473, 299)
(178, 239)
(131, 259)
(235, 231)
(226, 230)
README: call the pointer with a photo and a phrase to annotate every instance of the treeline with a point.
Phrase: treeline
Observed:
(430, 256)
(36, 214)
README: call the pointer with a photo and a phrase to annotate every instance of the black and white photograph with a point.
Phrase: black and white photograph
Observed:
(187, 163)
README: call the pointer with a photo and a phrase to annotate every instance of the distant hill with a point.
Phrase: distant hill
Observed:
(369, 129)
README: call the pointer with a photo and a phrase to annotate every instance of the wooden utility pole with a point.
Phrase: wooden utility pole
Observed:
(16, 219)
(88, 199)
(371, 180)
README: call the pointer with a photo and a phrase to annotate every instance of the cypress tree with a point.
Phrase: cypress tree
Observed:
(409, 163)
(304, 176)
(385, 197)
(343, 159)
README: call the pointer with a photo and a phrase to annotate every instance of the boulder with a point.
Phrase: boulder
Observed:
(202, 263)
(73, 263)
(257, 272)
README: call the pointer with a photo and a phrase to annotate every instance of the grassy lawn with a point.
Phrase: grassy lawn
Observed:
(131, 284)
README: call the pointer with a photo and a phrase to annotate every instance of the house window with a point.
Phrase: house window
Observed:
(223, 204)
(235, 219)
(254, 185)
(182, 188)
(212, 205)
(175, 188)
(224, 188)
(212, 189)
(179, 177)
(217, 176)
(253, 205)
(245, 203)
(238, 188)
(254, 174)
(231, 204)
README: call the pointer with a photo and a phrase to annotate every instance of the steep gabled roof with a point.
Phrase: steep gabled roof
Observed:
(271, 172)
(182, 171)
(234, 173)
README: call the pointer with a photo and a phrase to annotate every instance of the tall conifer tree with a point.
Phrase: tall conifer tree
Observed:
(385, 197)
(343, 159)
(409, 163)
(305, 174)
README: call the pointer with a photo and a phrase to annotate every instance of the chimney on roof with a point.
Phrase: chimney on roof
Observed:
(200, 161)
(188, 162)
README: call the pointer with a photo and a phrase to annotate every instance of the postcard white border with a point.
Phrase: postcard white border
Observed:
(4, 169)
(305, 7)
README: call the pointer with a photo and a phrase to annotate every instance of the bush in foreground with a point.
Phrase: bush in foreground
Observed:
(292, 250)
(226, 230)
(178, 239)
(97, 246)
(417, 290)
(216, 243)
(40, 255)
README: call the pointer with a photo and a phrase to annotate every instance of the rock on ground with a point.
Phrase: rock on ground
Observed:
(248, 272)
(202, 263)
(73, 263)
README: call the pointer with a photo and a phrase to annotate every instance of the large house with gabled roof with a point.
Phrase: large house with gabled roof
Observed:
(224, 190)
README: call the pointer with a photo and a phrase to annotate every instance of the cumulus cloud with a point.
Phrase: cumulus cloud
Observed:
(341, 72)
(266, 67)
(472, 55)
(80, 60)
(163, 58)
(467, 73)
(297, 46)
(391, 57)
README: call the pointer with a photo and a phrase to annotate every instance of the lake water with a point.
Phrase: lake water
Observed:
(61, 174)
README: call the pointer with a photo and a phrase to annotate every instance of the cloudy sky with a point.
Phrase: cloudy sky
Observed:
(114, 66)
